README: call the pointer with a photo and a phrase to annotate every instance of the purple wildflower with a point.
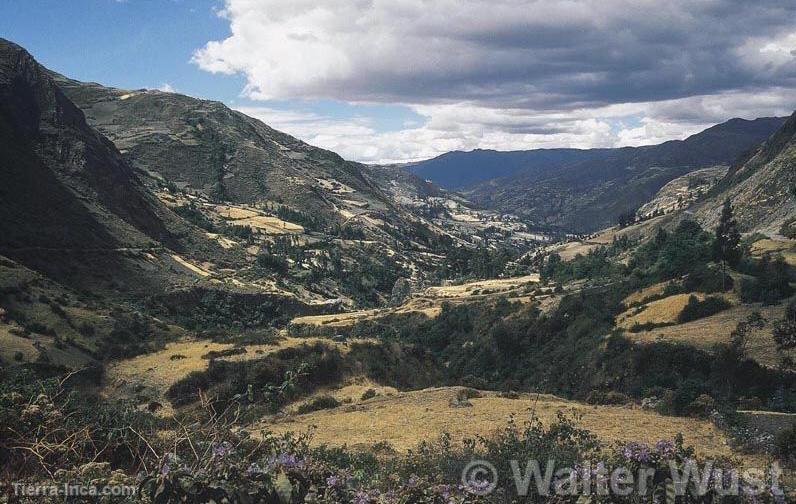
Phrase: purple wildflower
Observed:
(665, 449)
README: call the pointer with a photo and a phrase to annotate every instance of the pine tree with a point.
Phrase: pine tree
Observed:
(727, 246)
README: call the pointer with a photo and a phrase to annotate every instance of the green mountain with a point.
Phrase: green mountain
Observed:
(585, 190)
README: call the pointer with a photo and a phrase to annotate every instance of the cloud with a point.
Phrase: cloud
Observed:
(467, 126)
(537, 71)
(166, 88)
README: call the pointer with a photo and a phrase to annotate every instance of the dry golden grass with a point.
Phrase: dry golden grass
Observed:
(472, 288)
(787, 248)
(662, 311)
(340, 319)
(410, 417)
(350, 393)
(157, 371)
(244, 216)
(270, 225)
(430, 303)
(646, 293)
(706, 332)
(223, 241)
(570, 250)
(235, 212)
(11, 344)
(191, 266)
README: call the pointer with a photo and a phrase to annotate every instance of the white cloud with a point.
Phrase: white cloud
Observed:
(467, 126)
(166, 88)
(511, 74)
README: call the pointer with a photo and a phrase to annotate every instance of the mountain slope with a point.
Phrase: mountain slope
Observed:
(586, 195)
(203, 146)
(50, 152)
(70, 206)
(762, 187)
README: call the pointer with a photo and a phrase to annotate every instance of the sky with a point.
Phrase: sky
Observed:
(382, 81)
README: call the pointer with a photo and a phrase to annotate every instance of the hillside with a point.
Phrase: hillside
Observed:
(205, 148)
(582, 191)
(762, 187)
(67, 193)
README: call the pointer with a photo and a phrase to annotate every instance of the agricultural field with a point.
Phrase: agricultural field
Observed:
(405, 419)
(709, 331)
(785, 248)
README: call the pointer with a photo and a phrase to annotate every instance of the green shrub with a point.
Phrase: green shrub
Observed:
(771, 282)
(696, 309)
(607, 397)
(785, 445)
(86, 329)
(272, 262)
(195, 216)
(369, 394)
(319, 403)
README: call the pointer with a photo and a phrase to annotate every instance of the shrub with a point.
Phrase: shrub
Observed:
(696, 309)
(702, 406)
(772, 282)
(186, 390)
(708, 280)
(195, 216)
(467, 393)
(608, 397)
(319, 403)
(86, 329)
(648, 326)
(369, 394)
(785, 445)
(272, 262)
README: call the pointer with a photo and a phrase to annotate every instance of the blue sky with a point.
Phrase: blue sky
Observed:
(397, 80)
(149, 44)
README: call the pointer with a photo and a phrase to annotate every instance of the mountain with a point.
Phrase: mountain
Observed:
(66, 190)
(205, 147)
(458, 169)
(589, 194)
(761, 186)
(720, 143)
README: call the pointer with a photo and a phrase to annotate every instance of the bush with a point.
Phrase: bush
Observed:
(785, 446)
(696, 309)
(702, 406)
(607, 397)
(319, 403)
(272, 262)
(708, 280)
(195, 216)
(369, 394)
(86, 329)
(772, 282)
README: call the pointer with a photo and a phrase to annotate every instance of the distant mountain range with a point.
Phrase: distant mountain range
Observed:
(585, 190)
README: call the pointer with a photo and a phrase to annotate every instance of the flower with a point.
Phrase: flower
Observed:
(221, 450)
(637, 452)
(665, 448)
(254, 469)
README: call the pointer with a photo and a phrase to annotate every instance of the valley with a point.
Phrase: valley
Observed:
(193, 300)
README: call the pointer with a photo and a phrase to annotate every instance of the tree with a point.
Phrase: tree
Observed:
(401, 291)
(785, 334)
(727, 245)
